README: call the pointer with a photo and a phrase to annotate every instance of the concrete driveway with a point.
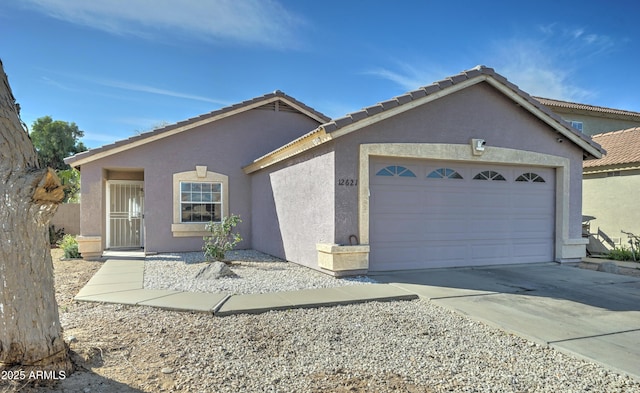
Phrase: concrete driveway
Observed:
(585, 313)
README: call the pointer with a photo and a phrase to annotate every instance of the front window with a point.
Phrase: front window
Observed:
(200, 202)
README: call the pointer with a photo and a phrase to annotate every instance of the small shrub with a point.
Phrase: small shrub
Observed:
(221, 238)
(70, 246)
(623, 254)
(55, 235)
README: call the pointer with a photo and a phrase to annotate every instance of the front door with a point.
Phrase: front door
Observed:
(125, 207)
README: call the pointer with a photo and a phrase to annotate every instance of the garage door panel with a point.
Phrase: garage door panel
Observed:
(423, 222)
(482, 228)
(532, 249)
(392, 199)
(490, 254)
(444, 230)
(388, 258)
(399, 258)
(489, 199)
(444, 201)
(533, 224)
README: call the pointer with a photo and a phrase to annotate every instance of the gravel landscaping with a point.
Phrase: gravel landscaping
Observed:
(257, 273)
(406, 346)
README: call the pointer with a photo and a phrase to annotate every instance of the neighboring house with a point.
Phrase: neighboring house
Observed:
(467, 171)
(611, 185)
(590, 119)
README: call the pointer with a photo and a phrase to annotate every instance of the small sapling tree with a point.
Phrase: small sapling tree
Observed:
(221, 238)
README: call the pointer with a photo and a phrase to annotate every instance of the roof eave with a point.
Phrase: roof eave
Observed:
(77, 160)
(627, 166)
(303, 144)
(555, 124)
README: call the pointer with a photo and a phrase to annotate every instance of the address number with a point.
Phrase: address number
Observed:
(347, 182)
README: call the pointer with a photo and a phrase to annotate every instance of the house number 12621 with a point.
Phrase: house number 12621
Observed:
(347, 182)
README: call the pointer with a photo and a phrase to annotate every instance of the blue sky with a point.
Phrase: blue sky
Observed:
(118, 67)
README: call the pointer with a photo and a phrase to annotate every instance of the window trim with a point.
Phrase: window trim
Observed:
(528, 177)
(202, 175)
(445, 173)
(490, 175)
(396, 171)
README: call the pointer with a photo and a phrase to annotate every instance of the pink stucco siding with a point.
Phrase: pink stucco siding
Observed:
(479, 111)
(294, 207)
(224, 146)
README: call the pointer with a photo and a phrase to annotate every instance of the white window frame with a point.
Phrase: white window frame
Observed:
(200, 175)
(578, 125)
(211, 202)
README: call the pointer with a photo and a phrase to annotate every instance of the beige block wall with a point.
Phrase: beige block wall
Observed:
(68, 217)
(614, 202)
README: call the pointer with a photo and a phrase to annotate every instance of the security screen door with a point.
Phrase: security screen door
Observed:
(125, 204)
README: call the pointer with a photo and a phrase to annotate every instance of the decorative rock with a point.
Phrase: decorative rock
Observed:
(215, 270)
(167, 370)
(608, 267)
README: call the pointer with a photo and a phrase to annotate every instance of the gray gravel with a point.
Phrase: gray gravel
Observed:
(257, 273)
(406, 346)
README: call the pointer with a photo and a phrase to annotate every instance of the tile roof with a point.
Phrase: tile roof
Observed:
(591, 108)
(248, 104)
(623, 147)
(378, 110)
(442, 85)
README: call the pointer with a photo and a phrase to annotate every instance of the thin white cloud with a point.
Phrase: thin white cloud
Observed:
(539, 70)
(260, 22)
(98, 137)
(121, 85)
(407, 76)
(58, 84)
(155, 90)
(543, 65)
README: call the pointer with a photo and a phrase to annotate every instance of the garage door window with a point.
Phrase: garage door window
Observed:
(530, 177)
(444, 173)
(395, 170)
(489, 175)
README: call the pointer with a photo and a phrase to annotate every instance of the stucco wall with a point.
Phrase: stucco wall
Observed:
(92, 196)
(293, 207)
(224, 146)
(597, 124)
(476, 112)
(614, 203)
(68, 217)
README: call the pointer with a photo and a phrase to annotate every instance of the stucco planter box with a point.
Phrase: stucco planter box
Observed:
(339, 258)
(90, 247)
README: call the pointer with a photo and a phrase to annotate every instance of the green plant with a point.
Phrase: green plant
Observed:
(221, 238)
(55, 235)
(70, 179)
(70, 246)
(623, 254)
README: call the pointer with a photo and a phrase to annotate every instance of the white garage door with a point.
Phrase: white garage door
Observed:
(426, 214)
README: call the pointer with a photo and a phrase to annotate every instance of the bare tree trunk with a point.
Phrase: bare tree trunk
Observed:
(30, 331)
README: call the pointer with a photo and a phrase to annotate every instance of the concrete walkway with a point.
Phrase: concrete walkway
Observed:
(121, 281)
(588, 314)
(592, 315)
